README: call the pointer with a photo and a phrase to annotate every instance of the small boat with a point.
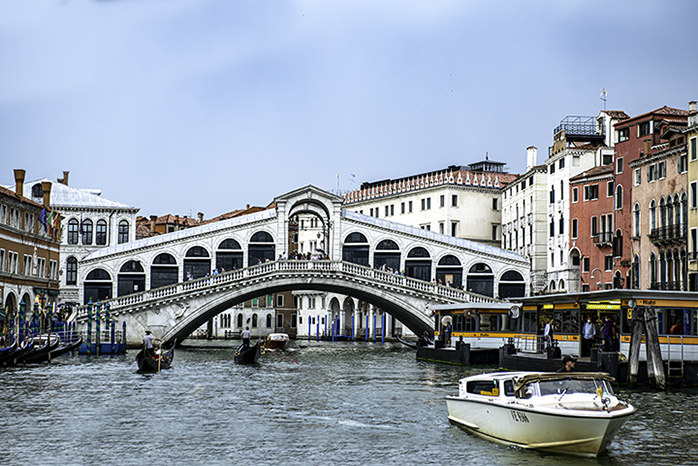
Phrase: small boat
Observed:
(54, 353)
(154, 361)
(572, 413)
(409, 344)
(276, 341)
(248, 355)
(42, 347)
(11, 357)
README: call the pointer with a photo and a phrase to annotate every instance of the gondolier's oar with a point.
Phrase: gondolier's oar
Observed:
(278, 354)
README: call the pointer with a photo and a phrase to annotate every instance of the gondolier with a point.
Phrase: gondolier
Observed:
(246, 334)
(148, 340)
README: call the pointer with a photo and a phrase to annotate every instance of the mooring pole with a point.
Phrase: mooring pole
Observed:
(98, 328)
(655, 365)
(309, 322)
(374, 327)
(638, 323)
(317, 328)
(383, 330)
(89, 327)
(367, 326)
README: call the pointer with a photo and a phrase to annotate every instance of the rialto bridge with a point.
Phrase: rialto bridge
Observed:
(166, 283)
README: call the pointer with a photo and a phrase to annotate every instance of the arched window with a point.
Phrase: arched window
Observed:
(662, 213)
(87, 231)
(268, 320)
(635, 273)
(619, 197)
(653, 216)
(239, 320)
(101, 235)
(355, 249)
(254, 320)
(653, 271)
(123, 232)
(261, 248)
(636, 220)
(73, 230)
(37, 190)
(71, 272)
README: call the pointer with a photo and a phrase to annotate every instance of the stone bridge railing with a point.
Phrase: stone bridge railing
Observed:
(302, 268)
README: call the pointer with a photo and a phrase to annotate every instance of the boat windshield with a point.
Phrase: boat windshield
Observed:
(569, 386)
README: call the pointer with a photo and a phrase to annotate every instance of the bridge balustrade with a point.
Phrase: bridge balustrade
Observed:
(292, 266)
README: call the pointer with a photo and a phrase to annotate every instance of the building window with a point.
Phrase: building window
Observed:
(123, 232)
(101, 236)
(552, 168)
(608, 262)
(575, 194)
(682, 164)
(387, 211)
(693, 147)
(73, 228)
(619, 165)
(574, 228)
(561, 163)
(552, 195)
(591, 192)
(495, 203)
(409, 205)
(562, 225)
(609, 189)
(402, 208)
(694, 195)
(643, 129)
(636, 220)
(623, 134)
(552, 228)
(694, 242)
(279, 300)
(494, 232)
(619, 197)
(585, 264)
(454, 229)
(638, 177)
(442, 200)
(424, 204)
(594, 226)
(87, 231)
(441, 227)
(71, 271)
(454, 200)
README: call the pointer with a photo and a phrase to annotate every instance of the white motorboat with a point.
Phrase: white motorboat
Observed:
(276, 341)
(571, 413)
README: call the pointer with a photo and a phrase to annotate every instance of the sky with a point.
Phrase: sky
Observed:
(187, 106)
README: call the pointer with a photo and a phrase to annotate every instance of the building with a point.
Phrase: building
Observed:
(591, 227)
(579, 144)
(638, 137)
(659, 213)
(692, 218)
(458, 201)
(29, 250)
(90, 222)
(524, 219)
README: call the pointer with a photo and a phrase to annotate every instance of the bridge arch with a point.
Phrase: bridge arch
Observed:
(197, 262)
(164, 270)
(449, 271)
(131, 278)
(356, 248)
(261, 248)
(387, 253)
(97, 285)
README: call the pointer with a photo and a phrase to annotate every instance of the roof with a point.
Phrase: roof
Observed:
(473, 246)
(10, 193)
(596, 171)
(618, 114)
(66, 196)
(663, 111)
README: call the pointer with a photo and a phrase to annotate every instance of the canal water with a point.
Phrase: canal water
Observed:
(342, 403)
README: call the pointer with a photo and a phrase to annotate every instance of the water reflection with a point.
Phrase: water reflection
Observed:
(347, 403)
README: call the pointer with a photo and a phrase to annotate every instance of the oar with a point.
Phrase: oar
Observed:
(279, 354)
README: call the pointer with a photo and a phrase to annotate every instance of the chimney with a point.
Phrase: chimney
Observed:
(153, 220)
(647, 147)
(532, 156)
(692, 106)
(200, 215)
(19, 181)
(64, 180)
(46, 189)
(248, 207)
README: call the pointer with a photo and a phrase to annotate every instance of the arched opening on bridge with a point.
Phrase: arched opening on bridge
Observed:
(355, 249)
(11, 307)
(197, 263)
(131, 278)
(512, 285)
(418, 264)
(261, 248)
(98, 286)
(481, 280)
(229, 255)
(163, 271)
(387, 255)
(347, 318)
(449, 271)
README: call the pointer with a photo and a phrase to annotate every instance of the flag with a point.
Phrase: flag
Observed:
(599, 391)
(42, 219)
(49, 220)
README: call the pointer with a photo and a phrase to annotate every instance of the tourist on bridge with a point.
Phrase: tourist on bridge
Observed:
(246, 334)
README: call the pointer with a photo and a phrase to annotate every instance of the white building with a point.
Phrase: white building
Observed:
(525, 218)
(89, 222)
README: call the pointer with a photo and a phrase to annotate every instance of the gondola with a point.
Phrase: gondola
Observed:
(39, 351)
(249, 355)
(54, 353)
(7, 350)
(409, 344)
(25, 347)
(154, 362)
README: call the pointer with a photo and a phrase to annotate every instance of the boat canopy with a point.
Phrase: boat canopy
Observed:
(521, 382)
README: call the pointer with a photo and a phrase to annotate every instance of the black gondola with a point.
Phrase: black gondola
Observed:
(39, 351)
(409, 344)
(249, 355)
(54, 353)
(152, 362)
(10, 358)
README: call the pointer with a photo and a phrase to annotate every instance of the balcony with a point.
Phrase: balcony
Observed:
(668, 235)
(603, 240)
(669, 286)
(579, 128)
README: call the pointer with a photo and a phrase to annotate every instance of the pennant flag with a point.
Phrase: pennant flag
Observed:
(599, 391)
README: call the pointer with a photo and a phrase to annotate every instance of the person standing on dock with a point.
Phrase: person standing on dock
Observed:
(588, 335)
(607, 331)
(549, 334)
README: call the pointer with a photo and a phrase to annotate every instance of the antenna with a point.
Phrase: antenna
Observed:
(603, 97)
(337, 183)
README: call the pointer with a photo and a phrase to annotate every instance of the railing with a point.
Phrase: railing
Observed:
(670, 286)
(668, 233)
(578, 125)
(304, 267)
(528, 343)
(604, 239)
(680, 343)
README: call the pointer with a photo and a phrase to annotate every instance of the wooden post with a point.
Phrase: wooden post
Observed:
(638, 323)
(655, 365)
